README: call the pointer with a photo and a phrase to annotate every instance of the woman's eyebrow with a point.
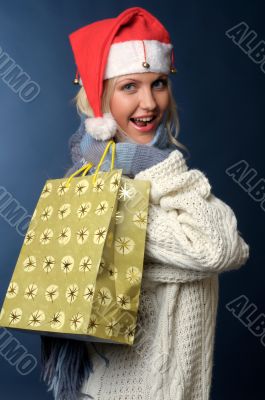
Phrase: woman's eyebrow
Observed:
(136, 80)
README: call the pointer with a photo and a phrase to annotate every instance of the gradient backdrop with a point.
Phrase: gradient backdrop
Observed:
(219, 89)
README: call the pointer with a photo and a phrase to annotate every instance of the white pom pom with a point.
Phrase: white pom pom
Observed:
(101, 128)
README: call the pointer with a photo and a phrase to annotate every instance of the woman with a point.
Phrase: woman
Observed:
(192, 236)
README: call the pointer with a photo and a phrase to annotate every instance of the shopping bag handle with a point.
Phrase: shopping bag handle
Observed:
(113, 144)
(85, 168)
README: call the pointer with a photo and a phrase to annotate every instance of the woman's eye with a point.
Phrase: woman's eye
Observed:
(160, 83)
(128, 86)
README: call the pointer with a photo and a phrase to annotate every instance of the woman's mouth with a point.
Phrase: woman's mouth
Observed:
(143, 124)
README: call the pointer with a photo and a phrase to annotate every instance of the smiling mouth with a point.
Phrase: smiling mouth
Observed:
(141, 123)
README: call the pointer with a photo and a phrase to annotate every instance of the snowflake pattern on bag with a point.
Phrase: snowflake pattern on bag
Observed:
(80, 267)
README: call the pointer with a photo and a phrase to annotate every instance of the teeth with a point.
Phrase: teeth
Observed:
(143, 119)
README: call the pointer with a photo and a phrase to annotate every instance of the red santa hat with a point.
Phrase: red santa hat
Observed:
(133, 42)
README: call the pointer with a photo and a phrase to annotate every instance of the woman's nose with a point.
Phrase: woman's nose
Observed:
(147, 100)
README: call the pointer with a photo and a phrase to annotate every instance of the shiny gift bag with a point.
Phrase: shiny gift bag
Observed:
(79, 271)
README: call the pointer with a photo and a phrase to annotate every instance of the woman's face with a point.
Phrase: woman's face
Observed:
(136, 97)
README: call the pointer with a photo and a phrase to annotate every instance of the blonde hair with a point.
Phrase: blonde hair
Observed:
(172, 120)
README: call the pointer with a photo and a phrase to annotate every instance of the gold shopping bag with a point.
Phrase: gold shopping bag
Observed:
(79, 271)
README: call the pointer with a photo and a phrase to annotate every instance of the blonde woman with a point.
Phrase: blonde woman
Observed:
(134, 153)
(192, 235)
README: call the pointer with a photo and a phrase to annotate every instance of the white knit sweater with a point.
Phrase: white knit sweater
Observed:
(191, 237)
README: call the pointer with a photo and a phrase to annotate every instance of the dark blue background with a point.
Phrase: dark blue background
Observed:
(220, 94)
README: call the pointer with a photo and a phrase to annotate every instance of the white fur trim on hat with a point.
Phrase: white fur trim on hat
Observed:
(127, 58)
(101, 128)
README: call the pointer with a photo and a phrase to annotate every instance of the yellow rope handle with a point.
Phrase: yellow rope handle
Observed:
(84, 168)
(113, 144)
(89, 166)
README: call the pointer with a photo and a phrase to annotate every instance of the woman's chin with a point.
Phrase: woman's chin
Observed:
(141, 137)
(145, 139)
(136, 137)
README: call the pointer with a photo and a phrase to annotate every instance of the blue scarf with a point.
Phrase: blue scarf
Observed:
(80, 148)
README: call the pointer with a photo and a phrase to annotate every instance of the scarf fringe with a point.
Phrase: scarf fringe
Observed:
(65, 366)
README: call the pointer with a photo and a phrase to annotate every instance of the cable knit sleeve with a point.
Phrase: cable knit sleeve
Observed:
(187, 225)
